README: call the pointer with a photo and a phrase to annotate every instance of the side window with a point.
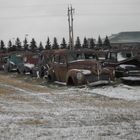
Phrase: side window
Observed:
(56, 58)
(128, 55)
(80, 56)
(90, 56)
(113, 56)
(35, 56)
(62, 60)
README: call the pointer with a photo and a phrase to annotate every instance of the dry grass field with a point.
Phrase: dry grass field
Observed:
(31, 111)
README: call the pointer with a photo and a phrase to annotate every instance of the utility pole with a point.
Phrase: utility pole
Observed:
(70, 23)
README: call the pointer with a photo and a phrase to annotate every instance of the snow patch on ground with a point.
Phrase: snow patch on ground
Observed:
(120, 91)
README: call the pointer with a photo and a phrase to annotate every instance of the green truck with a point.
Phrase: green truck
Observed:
(12, 62)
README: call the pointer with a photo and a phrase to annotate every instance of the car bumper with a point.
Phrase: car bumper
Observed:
(99, 83)
(131, 80)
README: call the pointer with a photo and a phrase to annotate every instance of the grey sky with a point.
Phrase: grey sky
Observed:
(43, 18)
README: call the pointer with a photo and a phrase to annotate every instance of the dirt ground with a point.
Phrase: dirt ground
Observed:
(30, 109)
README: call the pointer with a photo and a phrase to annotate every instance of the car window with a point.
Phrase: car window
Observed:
(128, 55)
(59, 59)
(56, 58)
(72, 57)
(80, 56)
(123, 56)
(113, 56)
(90, 56)
(62, 59)
(35, 56)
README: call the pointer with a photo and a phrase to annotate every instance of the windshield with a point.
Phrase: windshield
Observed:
(81, 56)
(123, 56)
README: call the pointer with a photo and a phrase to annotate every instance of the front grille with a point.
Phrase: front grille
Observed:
(104, 77)
(134, 73)
(93, 78)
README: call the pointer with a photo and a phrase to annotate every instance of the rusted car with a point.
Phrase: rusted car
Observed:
(78, 67)
(126, 65)
(113, 58)
(30, 59)
(129, 71)
(41, 69)
(13, 60)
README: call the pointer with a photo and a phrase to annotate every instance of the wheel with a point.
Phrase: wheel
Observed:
(51, 78)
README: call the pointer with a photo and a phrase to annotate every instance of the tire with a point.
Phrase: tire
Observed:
(51, 78)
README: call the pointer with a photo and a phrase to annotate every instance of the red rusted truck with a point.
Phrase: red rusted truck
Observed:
(79, 67)
(30, 60)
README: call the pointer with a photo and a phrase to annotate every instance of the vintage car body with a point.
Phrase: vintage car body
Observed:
(41, 69)
(129, 71)
(113, 58)
(78, 67)
(30, 59)
(13, 60)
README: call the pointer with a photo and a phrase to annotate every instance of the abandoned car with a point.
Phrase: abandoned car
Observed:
(115, 57)
(41, 68)
(13, 60)
(129, 71)
(30, 59)
(78, 67)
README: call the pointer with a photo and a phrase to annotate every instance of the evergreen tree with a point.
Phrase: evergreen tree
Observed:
(55, 44)
(85, 43)
(48, 45)
(92, 43)
(63, 44)
(33, 45)
(18, 44)
(68, 46)
(10, 46)
(40, 46)
(78, 43)
(2, 46)
(25, 44)
(107, 42)
(100, 42)
(14, 48)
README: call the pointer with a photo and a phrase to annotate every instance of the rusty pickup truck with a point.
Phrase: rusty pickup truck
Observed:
(78, 67)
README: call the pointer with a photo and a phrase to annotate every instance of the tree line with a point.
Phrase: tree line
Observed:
(32, 46)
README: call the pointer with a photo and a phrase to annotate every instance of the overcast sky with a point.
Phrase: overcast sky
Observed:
(43, 18)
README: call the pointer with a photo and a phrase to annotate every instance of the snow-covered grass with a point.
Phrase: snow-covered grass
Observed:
(68, 113)
(119, 91)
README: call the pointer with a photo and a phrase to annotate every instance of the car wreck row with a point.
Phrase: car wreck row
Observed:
(75, 67)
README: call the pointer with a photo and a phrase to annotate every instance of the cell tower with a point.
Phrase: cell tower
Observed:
(70, 23)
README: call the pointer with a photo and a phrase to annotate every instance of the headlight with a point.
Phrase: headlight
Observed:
(79, 75)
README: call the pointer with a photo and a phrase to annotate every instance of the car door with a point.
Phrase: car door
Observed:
(60, 67)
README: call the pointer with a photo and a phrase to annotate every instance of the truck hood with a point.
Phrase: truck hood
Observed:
(82, 64)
